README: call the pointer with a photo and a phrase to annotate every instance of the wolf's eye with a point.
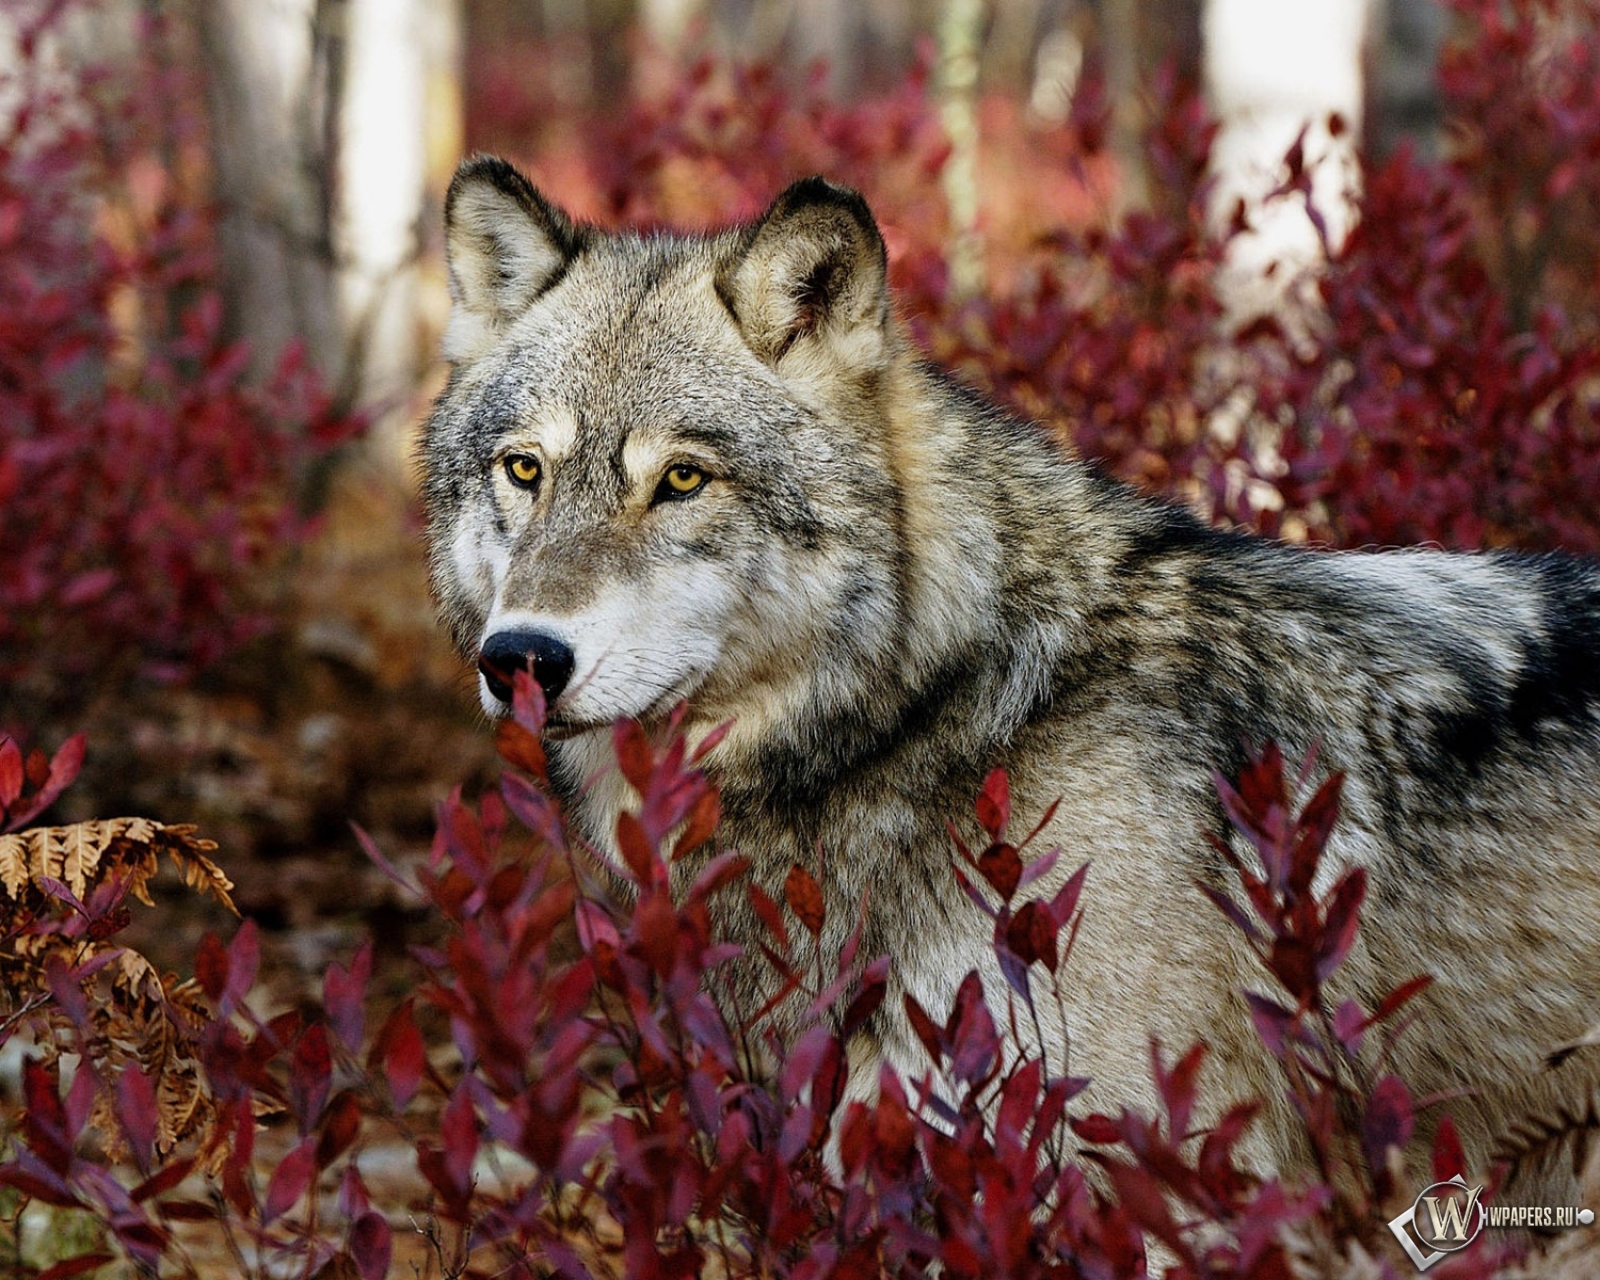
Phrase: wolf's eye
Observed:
(523, 470)
(680, 481)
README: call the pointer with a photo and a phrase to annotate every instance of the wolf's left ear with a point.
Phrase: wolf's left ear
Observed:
(812, 267)
(505, 245)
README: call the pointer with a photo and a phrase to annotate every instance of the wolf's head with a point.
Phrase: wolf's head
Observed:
(659, 468)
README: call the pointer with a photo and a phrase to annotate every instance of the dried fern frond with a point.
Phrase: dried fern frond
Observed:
(132, 1016)
(86, 853)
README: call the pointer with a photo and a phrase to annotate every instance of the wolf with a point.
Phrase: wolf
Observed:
(712, 470)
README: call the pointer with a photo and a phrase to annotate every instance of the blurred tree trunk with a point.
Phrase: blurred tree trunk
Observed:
(1137, 38)
(960, 36)
(320, 116)
(1274, 70)
(1403, 102)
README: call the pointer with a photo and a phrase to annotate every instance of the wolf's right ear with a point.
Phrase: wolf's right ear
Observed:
(505, 245)
(812, 269)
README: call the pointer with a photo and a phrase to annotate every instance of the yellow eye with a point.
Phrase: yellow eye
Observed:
(523, 469)
(682, 480)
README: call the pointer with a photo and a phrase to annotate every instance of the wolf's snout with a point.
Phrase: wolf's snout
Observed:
(507, 652)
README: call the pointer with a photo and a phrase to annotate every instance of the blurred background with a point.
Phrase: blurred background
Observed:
(1326, 269)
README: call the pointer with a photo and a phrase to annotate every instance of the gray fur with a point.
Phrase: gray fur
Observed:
(892, 587)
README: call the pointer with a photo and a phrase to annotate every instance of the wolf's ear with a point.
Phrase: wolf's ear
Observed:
(812, 267)
(505, 244)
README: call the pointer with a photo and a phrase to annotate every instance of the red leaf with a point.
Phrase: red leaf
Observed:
(1018, 1097)
(1293, 964)
(656, 931)
(1096, 1128)
(928, 1031)
(636, 850)
(140, 1237)
(44, 1119)
(403, 1058)
(289, 1182)
(59, 773)
(804, 896)
(430, 1163)
(1002, 868)
(340, 1125)
(244, 954)
(53, 1191)
(37, 768)
(1272, 1022)
(874, 985)
(237, 1184)
(84, 1262)
(87, 587)
(1388, 1120)
(527, 701)
(1031, 935)
(634, 756)
(354, 1198)
(136, 1109)
(371, 1246)
(344, 993)
(716, 874)
(1401, 995)
(369, 846)
(1349, 1022)
(595, 926)
(163, 1180)
(1232, 910)
(1449, 1160)
(770, 916)
(994, 803)
(974, 1042)
(1178, 1087)
(702, 824)
(1321, 812)
(458, 1130)
(10, 772)
(533, 809)
(310, 1073)
(520, 747)
(1066, 900)
(188, 1210)
(1139, 1193)
(64, 766)
(1339, 926)
(710, 742)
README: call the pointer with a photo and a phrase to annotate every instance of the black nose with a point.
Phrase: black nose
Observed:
(507, 652)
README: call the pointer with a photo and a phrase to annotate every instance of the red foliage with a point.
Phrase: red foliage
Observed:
(145, 482)
(661, 1133)
(30, 784)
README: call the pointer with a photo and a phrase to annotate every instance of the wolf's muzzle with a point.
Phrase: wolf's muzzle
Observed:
(507, 652)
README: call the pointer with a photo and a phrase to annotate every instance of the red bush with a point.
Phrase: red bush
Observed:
(146, 484)
(662, 1134)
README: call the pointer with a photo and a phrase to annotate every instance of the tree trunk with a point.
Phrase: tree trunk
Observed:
(319, 114)
(1273, 70)
(1403, 96)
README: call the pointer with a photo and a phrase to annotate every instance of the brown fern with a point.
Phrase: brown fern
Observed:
(84, 854)
(134, 1015)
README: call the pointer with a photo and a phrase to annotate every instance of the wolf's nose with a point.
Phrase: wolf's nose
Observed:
(507, 652)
